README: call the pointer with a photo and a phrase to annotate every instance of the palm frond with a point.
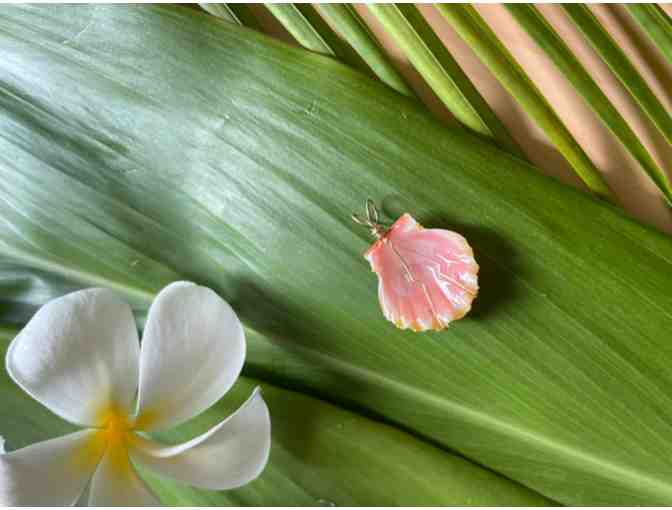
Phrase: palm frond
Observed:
(621, 66)
(544, 35)
(313, 33)
(351, 26)
(657, 25)
(443, 74)
(470, 26)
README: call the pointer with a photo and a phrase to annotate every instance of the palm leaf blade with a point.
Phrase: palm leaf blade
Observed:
(223, 11)
(471, 27)
(313, 33)
(444, 75)
(656, 24)
(621, 66)
(356, 32)
(541, 31)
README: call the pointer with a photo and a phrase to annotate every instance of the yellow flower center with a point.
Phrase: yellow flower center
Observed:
(115, 436)
(115, 430)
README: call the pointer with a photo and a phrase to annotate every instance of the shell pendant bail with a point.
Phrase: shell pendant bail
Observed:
(371, 221)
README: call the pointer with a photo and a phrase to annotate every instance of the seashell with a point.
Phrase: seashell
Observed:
(427, 278)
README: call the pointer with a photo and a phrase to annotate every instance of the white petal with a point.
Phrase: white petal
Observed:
(229, 455)
(117, 484)
(2, 445)
(192, 352)
(78, 356)
(50, 473)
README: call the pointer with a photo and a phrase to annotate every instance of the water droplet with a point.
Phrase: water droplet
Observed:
(312, 109)
(325, 502)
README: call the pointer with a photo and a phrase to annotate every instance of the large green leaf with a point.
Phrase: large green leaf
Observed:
(140, 145)
(321, 455)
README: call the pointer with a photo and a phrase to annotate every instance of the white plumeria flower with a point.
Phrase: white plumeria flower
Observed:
(81, 358)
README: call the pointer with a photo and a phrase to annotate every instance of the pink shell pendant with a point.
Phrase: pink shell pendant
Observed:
(427, 278)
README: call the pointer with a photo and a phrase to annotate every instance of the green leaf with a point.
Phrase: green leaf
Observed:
(470, 26)
(313, 33)
(221, 156)
(321, 455)
(656, 24)
(544, 35)
(351, 26)
(621, 66)
(440, 70)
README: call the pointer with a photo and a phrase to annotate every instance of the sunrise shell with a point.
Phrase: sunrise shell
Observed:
(427, 278)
